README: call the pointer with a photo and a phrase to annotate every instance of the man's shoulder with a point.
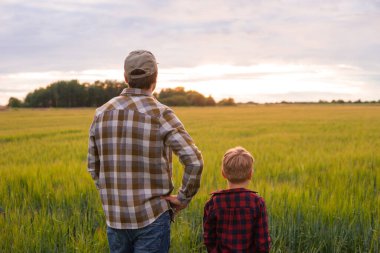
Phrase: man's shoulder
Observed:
(144, 105)
(155, 107)
(114, 103)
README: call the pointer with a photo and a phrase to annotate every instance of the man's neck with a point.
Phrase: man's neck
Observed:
(238, 185)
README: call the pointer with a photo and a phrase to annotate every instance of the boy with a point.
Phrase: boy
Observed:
(235, 220)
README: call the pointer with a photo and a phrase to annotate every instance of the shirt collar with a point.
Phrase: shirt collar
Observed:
(237, 190)
(135, 92)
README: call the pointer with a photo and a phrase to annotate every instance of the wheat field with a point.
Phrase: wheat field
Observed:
(317, 167)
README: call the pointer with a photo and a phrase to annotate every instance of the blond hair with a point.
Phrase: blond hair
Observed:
(237, 165)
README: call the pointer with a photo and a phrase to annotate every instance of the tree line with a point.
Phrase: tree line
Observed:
(74, 94)
(179, 97)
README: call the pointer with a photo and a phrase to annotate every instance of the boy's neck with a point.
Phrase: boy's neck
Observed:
(238, 185)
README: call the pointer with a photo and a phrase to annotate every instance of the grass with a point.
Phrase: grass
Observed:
(317, 167)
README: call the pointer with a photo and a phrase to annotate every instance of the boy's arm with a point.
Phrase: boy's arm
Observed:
(209, 228)
(262, 238)
(93, 162)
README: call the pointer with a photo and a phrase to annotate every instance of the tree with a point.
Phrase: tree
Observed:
(179, 97)
(38, 98)
(73, 94)
(14, 102)
(227, 102)
(210, 101)
(195, 98)
(175, 100)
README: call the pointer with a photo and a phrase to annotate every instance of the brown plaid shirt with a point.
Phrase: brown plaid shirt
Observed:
(130, 158)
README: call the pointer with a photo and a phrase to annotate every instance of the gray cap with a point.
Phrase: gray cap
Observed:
(140, 60)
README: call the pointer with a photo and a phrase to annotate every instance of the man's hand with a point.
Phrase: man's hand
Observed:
(175, 203)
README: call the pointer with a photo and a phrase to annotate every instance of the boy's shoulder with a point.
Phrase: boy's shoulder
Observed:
(243, 192)
(234, 191)
(235, 197)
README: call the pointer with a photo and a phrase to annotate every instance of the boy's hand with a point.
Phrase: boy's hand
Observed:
(175, 203)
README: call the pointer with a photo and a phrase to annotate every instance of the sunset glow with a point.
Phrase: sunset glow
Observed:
(259, 83)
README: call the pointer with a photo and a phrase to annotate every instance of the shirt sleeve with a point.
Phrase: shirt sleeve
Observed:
(262, 238)
(93, 162)
(209, 228)
(176, 137)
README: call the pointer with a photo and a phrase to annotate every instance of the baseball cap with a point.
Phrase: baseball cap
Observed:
(141, 60)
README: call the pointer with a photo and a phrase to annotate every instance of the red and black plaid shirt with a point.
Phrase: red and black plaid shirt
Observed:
(236, 220)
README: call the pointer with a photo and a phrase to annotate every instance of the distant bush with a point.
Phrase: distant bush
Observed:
(179, 97)
(227, 102)
(14, 102)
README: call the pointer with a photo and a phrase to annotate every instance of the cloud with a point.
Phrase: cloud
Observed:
(75, 36)
(86, 34)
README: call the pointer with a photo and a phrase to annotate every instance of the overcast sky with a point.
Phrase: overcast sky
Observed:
(251, 50)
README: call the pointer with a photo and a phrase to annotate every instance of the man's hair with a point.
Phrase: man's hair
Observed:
(143, 82)
(237, 164)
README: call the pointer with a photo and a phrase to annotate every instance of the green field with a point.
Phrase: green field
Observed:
(317, 167)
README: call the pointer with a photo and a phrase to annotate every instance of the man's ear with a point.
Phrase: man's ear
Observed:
(125, 77)
(153, 86)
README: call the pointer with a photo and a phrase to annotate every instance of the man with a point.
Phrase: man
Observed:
(130, 159)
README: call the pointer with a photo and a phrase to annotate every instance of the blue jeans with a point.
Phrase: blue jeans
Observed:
(150, 239)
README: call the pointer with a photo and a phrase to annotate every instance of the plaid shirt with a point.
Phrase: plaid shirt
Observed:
(236, 220)
(130, 158)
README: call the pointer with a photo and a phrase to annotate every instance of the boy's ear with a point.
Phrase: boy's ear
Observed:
(251, 174)
(224, 175)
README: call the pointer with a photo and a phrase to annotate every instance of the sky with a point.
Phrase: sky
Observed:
(250, 50)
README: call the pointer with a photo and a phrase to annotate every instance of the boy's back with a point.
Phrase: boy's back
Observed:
(235, 220)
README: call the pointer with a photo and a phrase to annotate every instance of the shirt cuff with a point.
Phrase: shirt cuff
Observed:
(182, 198)
(97, 184)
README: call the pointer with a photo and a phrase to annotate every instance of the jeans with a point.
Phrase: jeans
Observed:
(150, 239)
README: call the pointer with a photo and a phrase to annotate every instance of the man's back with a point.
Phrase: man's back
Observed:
(131, 142)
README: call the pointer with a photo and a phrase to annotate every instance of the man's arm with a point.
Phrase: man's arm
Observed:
(261, 233)
(183, 146)
(93, 162)
(209, 228)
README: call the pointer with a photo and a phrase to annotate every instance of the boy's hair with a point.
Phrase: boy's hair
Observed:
(237, 165)
(143, 82)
